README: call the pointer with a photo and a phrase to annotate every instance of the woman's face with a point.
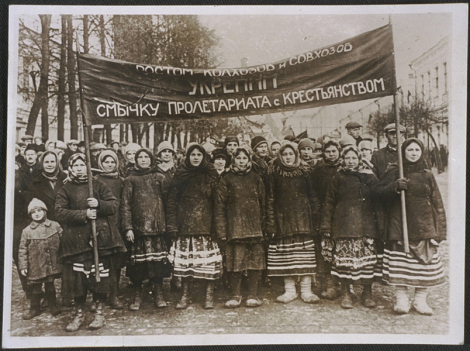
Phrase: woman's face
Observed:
(306, 153)
(331, 153)
(50, 147)
(351, 160)
(195, 158)
(143, 160)
(79, 168)
(288, 156)
(219, 163)
(262, 150)
(275, 147)
(49, 163)
(166, 155)
(130, 156)
(366, 154)
(413, 152)
(109, 164)
(231, 147)
(241, 160)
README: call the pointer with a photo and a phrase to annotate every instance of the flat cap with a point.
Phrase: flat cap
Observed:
(392, 127)
(352, 125)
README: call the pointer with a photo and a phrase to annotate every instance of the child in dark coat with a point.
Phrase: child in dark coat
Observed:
(38, 257)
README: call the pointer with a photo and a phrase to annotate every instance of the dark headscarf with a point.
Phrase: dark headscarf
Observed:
(105, 154)
(52, 177)
(187, 170)
(336, 145)
(72, 177)
(141, 171)
(417, 166)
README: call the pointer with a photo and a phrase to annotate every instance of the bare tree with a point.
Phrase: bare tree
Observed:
(71, 80)
(61, 80)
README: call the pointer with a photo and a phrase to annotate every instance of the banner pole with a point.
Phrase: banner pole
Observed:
(86, 134)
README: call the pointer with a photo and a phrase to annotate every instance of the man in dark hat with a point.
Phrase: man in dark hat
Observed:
(30, 169)
(354, 130)
(72, 148)
(387, 155)
(27, 139)
(260, 159)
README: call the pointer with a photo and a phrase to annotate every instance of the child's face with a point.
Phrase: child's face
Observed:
(37, 214)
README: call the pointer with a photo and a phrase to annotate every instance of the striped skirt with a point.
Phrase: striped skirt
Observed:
(292, 256)
(356, 260)
(400, 268)
(196, 256)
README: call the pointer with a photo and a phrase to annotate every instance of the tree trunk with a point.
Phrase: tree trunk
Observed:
(61, 88)
(86, 34)
(41, 97)
(107, 127)
(71, 80)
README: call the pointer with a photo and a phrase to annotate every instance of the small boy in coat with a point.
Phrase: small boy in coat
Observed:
(38, 260)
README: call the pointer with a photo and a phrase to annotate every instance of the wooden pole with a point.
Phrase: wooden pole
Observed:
(86, 132)
(401, 175)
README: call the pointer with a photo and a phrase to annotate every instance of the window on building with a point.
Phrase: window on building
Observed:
(445, 77)
(436, 81)
(429, 84)
(422, 85)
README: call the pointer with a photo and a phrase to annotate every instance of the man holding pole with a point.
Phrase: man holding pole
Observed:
(387, 155)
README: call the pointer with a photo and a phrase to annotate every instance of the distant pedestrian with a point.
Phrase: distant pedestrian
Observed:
(354, 129)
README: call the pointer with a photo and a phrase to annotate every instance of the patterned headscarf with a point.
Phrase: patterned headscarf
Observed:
(104, 155)
(72, 176)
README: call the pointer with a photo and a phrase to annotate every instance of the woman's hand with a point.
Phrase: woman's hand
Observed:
(92, 202)
(24, 272)
(401, 184)
(91, 213)
(130, 236)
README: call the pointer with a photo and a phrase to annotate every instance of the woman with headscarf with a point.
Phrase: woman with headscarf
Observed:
(322, 174)
(426, 221)
(108, 163)
(291, 207)
(194, 254)
(349, 218)
(129, 162)
(239, 220)
(74, 210)
(143, 221)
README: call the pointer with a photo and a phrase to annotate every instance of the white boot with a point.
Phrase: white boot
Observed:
(402, 304)
(420, 303)
(306, 290)
(291, 293)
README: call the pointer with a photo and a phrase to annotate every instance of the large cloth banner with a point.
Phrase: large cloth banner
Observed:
(358, 68)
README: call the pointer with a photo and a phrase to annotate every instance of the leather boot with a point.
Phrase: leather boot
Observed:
(158, 296)
(209, 303)
(35, 307)
(135, 305)
(52, 303)
(184, 296)
(78, 319)
(114, 302)
(366, 297)
(98, 320)
(346, 300)
(329, 291)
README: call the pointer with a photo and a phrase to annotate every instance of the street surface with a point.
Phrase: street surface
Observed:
(272, 317)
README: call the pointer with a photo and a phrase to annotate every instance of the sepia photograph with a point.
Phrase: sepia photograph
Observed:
(228, 175)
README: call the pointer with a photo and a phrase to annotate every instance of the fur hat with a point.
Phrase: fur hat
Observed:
(36, 203)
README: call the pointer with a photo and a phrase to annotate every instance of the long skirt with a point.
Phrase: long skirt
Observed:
(292, 256)
(196, 256)
(148, 259)
(422, 267)
(241, 256)
(356, 260)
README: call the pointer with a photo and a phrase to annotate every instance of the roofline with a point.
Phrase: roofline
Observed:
(445, 39)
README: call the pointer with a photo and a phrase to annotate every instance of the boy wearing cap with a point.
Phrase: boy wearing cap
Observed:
(354, 130)
(38, 258)
(387, 155)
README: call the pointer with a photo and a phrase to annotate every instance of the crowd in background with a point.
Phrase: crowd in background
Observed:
(292, 209)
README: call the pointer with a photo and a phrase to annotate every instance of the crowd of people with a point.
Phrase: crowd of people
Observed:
(292, 209)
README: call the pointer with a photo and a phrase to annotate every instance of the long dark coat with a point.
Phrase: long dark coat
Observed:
(26, 175)
(142, 207)
(381, 159)
(41, 188)
(350, 210)
(70, 210)
(240, 206)
(190, 205)
(116, 186)
(425, 212)
(291, 204)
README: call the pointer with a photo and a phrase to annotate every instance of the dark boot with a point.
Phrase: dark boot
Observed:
(329, 291)
(158, 296)
(98, 320)
(135, 305)
(52, 302)
(35, 307)
(113, 300)
(253, 282)
(366, 297)
(78, 319)
(209, 304)
(346, 300)
(184, 296)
